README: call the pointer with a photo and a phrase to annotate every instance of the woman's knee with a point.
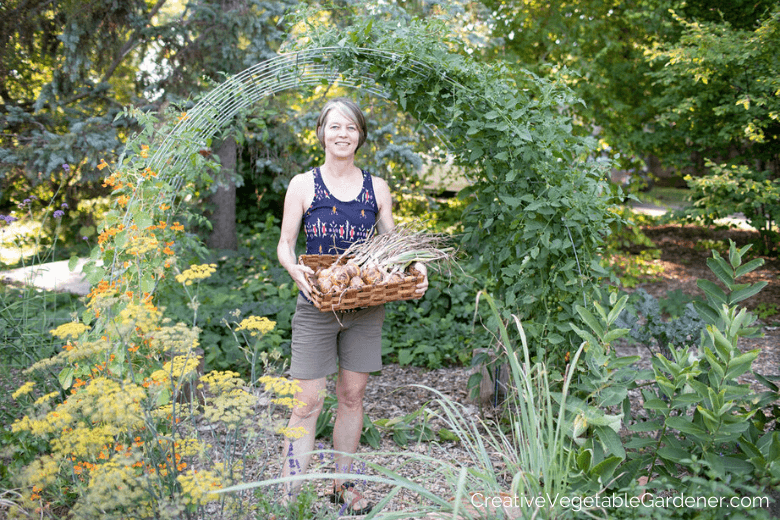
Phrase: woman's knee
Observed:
(351, 396)
(308, 405)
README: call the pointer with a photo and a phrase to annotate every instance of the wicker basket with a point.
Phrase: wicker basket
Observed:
(364, 296)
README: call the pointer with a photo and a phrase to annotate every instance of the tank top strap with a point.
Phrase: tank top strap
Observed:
(320, 190)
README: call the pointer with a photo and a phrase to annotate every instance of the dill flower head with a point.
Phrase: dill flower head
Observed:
(181, 366)
(230, 408)
(220, 382)
(176, 339)
(71, 330)
(143, 318)
(199, 487)
(23, 390)
(257, 325)
(196, 272)
(280, 385)
(292, 432)
(142, 245)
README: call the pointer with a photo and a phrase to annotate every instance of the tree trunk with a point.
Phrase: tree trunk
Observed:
(223, 220)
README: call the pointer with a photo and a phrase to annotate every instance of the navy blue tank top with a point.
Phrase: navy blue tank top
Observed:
(332, 225)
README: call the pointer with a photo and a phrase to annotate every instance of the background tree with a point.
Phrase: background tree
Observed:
(601, 49)
(70, 67)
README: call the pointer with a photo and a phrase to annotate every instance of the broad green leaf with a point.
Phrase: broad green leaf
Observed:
(656, 404)
(735, 258)
(715, 363)
(646, 426)
(722, 344)
(617, 308)
(446, 435)
(712, 290)
(604, 470)
(722, 270)
(747, 292)
(716, 463)
(583, 460)
(611, 441)
(590, 319)
(65, 377)
(683, 425)
(748, 267)
(615, 334)
(706, 312)
(740, 364)
(685, 400)
(673, 454)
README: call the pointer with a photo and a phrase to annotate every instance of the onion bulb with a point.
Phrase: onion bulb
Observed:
(339, 276)
(395, 278)
(372, 275)
(352, 269)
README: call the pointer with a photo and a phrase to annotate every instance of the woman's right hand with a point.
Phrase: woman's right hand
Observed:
(301, 276)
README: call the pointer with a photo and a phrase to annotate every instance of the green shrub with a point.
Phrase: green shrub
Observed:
(731, 189)
(701, 430)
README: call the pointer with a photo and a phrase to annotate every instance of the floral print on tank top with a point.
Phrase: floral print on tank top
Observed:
(332, 225)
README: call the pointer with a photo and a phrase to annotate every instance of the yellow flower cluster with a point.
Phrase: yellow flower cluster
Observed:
(280, 385)
(43, 472)
(142, 245)
(107, 401)
(198, 487)
(71, 330)
(23, 390)
(46, 398)
(196, 272)
(230, 408)
(257, 325)
(84, 441)
(181, 366)
(295, 432)
(113, 490)
(221, 382)
(144, 318)
(176, 339)
(189, 447)
(289, 402)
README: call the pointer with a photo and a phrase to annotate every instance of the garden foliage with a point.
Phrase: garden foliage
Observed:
(701, 430)
(131, 429)
(537, 209)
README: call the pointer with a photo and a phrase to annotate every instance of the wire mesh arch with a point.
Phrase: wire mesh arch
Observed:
(284, 72)
(308, 67)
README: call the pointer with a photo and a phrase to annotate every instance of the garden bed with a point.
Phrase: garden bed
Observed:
(393, 394)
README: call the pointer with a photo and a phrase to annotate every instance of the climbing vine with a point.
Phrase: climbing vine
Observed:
(538, 207)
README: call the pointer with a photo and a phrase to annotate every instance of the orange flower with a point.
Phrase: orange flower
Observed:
(103, 164)
(144, 151)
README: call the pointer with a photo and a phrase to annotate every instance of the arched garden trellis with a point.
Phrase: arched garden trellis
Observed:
(538, 215)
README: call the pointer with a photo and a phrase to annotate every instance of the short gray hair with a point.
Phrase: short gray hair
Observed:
(349, 109)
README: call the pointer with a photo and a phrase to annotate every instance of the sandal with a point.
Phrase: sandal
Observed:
(346, 494)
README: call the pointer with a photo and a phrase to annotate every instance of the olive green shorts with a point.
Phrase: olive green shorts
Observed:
(324, 341)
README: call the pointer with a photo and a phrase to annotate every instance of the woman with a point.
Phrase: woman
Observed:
(337, 204)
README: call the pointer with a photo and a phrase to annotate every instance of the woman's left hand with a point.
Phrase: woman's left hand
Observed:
(422, 286)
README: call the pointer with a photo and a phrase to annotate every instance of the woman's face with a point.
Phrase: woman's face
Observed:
(341, 135)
